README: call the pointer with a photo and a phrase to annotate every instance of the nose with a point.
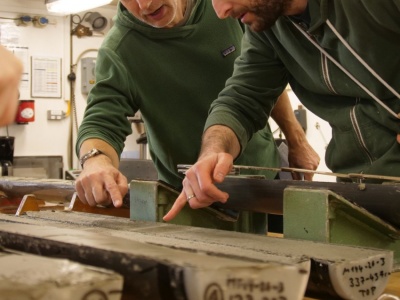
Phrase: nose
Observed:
(222, 8)
(144, 4)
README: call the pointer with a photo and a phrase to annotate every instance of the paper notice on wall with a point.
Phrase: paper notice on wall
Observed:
(46, 77)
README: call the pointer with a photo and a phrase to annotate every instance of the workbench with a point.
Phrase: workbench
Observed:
(122, 226)
(91, 238)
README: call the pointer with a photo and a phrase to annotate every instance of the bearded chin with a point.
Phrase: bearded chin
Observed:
(262, 24)
(268, 12)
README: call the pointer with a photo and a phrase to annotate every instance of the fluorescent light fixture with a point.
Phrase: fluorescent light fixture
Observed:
(67, 7)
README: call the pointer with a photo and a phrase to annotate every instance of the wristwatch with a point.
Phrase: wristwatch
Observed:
(88, 155)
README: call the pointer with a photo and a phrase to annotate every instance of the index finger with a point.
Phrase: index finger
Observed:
(119, 190)
(178, 205)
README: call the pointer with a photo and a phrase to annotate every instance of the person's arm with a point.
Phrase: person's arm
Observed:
(219, 147)
(100, 181)
(105, 127)
(10, 76)
(301, 154)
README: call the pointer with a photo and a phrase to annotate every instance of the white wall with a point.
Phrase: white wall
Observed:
(47, 137)
(39, 137)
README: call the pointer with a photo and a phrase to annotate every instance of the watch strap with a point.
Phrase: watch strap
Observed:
(92, 153)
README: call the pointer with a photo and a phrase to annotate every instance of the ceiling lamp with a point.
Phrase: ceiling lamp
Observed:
(67, 7)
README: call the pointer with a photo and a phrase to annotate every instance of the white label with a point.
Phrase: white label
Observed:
(363, 280)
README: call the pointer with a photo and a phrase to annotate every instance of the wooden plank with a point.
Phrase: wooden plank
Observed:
(334, 267)
(393, 287)
(51, 190)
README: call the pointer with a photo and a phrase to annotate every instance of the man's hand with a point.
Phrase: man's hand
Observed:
(101, 183)
(219, 146)
(199, 188)
(303, 156)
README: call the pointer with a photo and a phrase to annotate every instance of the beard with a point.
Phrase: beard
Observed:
(267, 12)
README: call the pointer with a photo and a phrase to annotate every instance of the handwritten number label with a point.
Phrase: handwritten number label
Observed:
(365, 278)
(237, 288)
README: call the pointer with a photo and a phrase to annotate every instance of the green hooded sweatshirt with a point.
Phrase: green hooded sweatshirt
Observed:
(363, 131)
(171, 76)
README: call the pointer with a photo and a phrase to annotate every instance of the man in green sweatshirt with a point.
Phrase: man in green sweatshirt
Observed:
(341, 60)
(168, 59)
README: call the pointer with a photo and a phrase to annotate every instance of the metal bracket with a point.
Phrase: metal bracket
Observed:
(151, 200)
(323, 216)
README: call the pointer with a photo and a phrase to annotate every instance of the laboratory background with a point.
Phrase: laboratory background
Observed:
(273, 239)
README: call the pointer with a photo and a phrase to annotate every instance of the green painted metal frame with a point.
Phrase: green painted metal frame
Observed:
(310, 214)
(323, 216)
(151, 200)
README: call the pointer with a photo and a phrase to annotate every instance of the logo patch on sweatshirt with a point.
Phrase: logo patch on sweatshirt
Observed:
(228, 51)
